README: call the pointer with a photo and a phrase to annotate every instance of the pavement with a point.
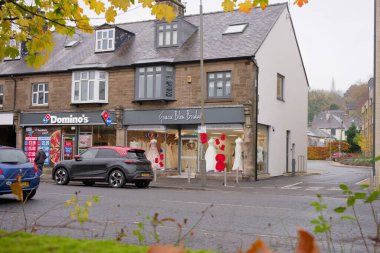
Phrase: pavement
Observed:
(214, 182)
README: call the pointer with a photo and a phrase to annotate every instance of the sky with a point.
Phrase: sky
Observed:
(335, 37)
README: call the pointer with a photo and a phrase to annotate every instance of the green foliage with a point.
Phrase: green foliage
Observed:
(351, 133)
(78, 210)
(321, 100)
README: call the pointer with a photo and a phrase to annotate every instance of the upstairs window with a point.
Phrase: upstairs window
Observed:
(167, 34)
(90, 87)
(13, 43)
(280, 87)
(238, 28)
(219, 84)
(1, 95)
(155, 83)
(40, 94)
(105, 40)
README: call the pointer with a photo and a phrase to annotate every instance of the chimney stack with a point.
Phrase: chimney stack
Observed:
(179, 8)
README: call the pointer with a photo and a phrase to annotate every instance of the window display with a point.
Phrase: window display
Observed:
(262, 148)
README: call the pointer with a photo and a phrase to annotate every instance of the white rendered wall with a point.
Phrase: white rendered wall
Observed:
(279, 54)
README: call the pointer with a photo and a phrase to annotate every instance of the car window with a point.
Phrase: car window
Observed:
(14, 156)
(136, 154)
(107, 153)
(89, 154)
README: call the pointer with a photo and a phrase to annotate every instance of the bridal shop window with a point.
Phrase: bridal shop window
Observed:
(262, 148)
(161, 146)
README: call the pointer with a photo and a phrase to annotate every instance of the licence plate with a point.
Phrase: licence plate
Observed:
(25, 184)
(145, 174)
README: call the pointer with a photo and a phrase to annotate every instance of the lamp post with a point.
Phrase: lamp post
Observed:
(202, 160)
(341, 129)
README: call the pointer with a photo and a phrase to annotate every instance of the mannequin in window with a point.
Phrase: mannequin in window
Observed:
(153, 155)
(260, 155)
(238, 162)
(210, 155)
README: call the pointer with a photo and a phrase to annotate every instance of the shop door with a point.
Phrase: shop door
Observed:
(68, 146)
(189, 154)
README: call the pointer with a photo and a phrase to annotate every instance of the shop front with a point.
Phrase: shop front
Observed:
(65, 134)
(7, 130)
(171, 140)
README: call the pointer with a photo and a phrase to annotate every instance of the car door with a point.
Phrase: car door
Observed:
(107, 158)
(82, 168)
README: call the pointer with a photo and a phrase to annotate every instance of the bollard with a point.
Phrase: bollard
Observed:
(188, 173)
(155, 175)
(225, 176)
(237, 176)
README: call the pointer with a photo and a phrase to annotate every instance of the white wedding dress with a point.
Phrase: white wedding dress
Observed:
(238, 162)
(153, 154)
(210, 156)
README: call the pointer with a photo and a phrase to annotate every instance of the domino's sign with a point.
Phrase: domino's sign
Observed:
(106, 117)
(53, 119)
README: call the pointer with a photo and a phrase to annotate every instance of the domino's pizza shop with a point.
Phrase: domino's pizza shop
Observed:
(65, 134)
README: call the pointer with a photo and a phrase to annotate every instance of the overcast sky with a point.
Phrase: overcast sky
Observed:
(335, 37)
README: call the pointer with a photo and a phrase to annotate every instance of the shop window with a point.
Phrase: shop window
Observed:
(105, 40)
(155, 83)
(90, 87)
(167, 34)
(262, 148)
(280, 87)
(40, 94)
(219, 84)
(1, 95)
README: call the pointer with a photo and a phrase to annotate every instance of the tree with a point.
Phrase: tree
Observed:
(321, 100)
(355, 97)
(351, 133)
(362, 142)
(32, 23)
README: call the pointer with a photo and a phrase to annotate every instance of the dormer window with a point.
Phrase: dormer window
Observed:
(105, 40)
(15, 44)
(167, 34)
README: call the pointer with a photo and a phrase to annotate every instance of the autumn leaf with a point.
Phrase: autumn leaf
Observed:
(306, 243)
(16, 189)
(164, 11)
(259, 246)
(228, 5)
(300, 3)
(165, 249)
(246, 6)
(146, 3)
(263, 4)
(110, 14)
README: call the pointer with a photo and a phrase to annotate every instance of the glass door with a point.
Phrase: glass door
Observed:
(189, 154)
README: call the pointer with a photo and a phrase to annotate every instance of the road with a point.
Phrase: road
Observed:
(272, 209)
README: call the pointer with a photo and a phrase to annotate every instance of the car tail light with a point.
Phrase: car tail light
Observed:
(35, 168)
(129, 161)
(1, 172)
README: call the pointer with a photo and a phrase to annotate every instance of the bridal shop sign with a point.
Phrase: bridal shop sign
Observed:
(188, 116)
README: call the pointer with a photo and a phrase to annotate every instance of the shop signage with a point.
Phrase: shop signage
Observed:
(83, 119)
(106, 117)
(189, 116)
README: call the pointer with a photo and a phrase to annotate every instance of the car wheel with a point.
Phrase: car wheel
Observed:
(116, 179)
(88, 183)
(61, 176)
(142, 184)
(29, 194)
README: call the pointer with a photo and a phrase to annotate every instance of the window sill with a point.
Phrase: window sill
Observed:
(162, 100)
(89, 103)
(39, 107)
(281, 100)
(218, 100)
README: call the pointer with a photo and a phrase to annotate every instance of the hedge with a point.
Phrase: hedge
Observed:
(323, 153)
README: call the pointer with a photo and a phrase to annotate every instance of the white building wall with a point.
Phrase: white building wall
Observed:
(279, 54)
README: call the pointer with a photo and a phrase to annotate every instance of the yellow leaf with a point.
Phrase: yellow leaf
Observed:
(121, 4)
(146, 3)
(246, 6)
(16, 189)
(164, 11)
(110, 15)
(228, 5)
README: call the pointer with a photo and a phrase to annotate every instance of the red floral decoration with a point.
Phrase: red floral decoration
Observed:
(161, 164)
(223, 137)
(220, 158)
(222, 147)
(217, 142)
(203, 138)
(220, 166)
(156, 160)
(161, 156)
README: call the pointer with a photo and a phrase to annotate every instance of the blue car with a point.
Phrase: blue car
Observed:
(14, 162)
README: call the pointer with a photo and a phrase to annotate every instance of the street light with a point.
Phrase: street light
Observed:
(203, 162)
(341, 129)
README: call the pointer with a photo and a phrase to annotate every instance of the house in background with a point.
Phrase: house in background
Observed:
(336, 123)
(146, 77)
(318, 137)
(367, 117)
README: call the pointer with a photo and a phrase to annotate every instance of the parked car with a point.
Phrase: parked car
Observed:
(337, 155)
(115, 165)
(13, 162)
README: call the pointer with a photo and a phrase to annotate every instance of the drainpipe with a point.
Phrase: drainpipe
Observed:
(256, 109)
(14, 92)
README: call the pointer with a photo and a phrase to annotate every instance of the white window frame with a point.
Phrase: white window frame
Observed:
(101, 39)
(236, 28)
(1, 95)
(167, 30)
(41, 88)
(87, 78)
(14, 43)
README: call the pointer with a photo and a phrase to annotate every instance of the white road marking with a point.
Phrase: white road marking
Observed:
(230, 205)
(362, 181)
(334, 189)
(291, 185)
(314, 188)
(291, 188)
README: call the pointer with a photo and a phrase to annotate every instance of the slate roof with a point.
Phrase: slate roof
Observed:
(312, 132)
(333, 120)
(141, 48)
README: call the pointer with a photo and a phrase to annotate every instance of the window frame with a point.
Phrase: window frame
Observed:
(230, 28)
(164, 72)
(280, 92)
(164, 31)
(108, 40)
(215, 80)
(45, 92)
(85, 75)
(1, 95)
